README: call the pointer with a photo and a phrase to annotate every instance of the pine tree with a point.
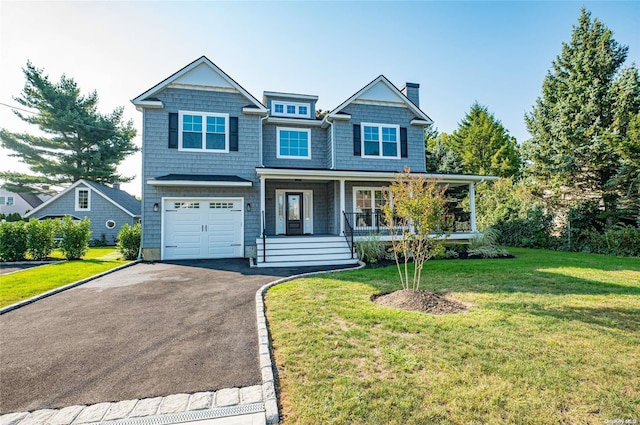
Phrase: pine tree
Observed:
(579, 124)
(484, 145)
(76, 141)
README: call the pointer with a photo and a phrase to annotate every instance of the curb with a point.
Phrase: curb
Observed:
(267, 365)
(63, 288)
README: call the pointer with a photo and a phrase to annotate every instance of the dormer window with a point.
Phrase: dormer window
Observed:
(291, 109)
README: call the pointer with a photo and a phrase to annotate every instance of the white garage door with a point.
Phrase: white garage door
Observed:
(202, 228)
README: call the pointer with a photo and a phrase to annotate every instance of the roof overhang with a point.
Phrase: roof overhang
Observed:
(149, 104)
(294, 121)
(282, 95)
(292, 174)
(190, 180)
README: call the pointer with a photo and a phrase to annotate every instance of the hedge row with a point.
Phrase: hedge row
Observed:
(38, 238)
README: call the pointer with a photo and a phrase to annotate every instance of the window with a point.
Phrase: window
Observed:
(110, 224)
(83, 199)
(204, 132)
(380, 140)
(367, 205)
(291, 109)
(190, 205)
(9, 200)
(293, 143)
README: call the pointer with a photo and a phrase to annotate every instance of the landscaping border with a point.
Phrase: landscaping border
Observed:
(267, 365)
(28, 301)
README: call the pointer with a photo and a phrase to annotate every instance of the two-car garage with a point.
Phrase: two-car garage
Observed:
(202, 228)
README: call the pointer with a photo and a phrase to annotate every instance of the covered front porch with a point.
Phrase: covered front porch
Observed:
(313, 205)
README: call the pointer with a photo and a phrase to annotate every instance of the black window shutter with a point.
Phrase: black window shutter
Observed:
(233, 134)
(357, 151)
(404, 151)
(173, 130)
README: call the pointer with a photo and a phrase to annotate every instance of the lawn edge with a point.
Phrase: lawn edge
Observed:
(267, 365)
(47, 294)
(20, 263)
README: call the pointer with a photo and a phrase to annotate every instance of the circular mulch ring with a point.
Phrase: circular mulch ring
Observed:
(422, 301)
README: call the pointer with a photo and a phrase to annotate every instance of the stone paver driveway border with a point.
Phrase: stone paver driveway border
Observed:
(178, 408)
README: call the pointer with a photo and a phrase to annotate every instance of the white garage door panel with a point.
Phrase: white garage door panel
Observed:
(209, 228)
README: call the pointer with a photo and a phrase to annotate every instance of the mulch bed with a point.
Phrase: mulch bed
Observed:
(422, 301)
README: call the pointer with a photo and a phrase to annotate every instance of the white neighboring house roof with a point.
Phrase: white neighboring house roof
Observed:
(383, 91)
(95, 187)
(199, 74)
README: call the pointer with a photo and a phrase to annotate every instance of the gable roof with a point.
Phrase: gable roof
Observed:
(117, 197)
(381, 87)
(31, 199)
(202, 69)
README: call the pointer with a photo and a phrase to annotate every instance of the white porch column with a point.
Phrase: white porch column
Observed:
(342, 202)
(262, 204)
(472, 205)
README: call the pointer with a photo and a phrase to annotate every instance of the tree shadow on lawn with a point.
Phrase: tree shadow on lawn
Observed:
(622, 318)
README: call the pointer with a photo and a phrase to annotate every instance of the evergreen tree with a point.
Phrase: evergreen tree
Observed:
(443, 160)
(579, 125)
(484, 145)
(76, 141)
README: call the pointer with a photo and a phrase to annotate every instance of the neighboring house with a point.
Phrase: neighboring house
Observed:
(20, 203)
(225, 175)
(108, 208)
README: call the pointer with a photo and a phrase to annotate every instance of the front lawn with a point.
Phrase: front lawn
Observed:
(25, 284)
(552, 337)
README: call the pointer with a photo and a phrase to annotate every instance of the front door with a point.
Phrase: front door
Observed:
(294, 214)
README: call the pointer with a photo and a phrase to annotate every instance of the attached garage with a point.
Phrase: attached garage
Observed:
(195, 228)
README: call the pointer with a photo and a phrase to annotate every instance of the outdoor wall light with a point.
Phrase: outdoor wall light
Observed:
(248, 207)
(156, 207)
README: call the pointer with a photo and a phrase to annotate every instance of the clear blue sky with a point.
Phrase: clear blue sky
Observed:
(494, 52)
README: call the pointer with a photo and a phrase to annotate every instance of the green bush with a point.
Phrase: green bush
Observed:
(75, 238)
(129, 241)
(371, 249)
(618, 240)
(485, 245)
(534, 231)
(41, 238)
(13, 240)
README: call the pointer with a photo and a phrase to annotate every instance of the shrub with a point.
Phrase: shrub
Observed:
(534, 231)
(618, 240)
(41, 237)
(13, 241)
(75, 238)
(485, 245)
(371, 249)
(129, 239)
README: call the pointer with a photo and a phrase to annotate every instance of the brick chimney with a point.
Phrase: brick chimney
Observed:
(412, 91)
(116, 185)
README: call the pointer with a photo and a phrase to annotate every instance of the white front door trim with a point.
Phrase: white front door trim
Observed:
(280, 205)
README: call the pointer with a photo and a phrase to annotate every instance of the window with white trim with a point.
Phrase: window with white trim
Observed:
(380, 140)
(6, 200)
(83, 199)
(367, 205)
(9, 200)
(291, 109)
(199, 131)
(293, 143)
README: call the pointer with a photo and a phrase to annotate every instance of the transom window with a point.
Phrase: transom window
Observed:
(380, 140)
(293, 143)
(83, 199)
(204, 132)
(291, 109)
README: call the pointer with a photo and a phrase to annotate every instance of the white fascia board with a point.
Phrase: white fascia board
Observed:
(188, 183)
(254, 111)
(337, 117)
(421, 122)
(291, 173)
(289, 95)
(294, 121)
(151, 104)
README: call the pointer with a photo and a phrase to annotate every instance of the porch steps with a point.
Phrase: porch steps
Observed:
(296, 251)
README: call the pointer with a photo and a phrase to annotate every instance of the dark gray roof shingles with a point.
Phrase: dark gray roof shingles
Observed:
(120, 197)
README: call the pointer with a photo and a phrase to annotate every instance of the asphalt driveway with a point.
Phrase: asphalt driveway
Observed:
(147, 330)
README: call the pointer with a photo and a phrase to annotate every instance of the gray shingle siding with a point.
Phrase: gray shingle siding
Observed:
(101, 211)
(321, 200)
(318, 148)
(159, 160)
(345, 160)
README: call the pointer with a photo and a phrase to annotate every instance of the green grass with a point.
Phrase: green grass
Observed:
(552, 337)
(25, 284)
